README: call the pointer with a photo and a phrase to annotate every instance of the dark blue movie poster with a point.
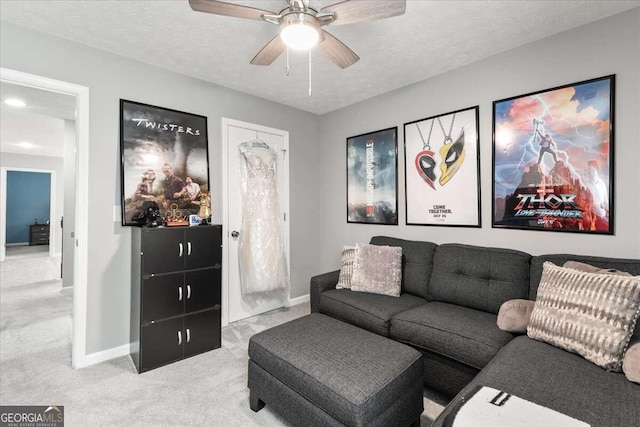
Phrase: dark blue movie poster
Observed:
(372, 177)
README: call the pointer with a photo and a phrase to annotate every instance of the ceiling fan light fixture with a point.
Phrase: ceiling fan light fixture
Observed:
(299, 31)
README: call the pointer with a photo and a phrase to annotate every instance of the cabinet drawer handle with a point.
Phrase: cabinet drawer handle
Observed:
(180, 293)
(181, 249)
(179, 337)
(188, 335)
(188, 248)
(188, 291)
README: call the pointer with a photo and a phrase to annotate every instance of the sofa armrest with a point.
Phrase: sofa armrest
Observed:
(319, 284)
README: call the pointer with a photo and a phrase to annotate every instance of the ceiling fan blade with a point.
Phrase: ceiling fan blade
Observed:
(353, 11)
(228, 9)
(269, 52)
(337, 51)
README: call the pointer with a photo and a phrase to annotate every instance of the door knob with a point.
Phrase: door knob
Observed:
(234, 234)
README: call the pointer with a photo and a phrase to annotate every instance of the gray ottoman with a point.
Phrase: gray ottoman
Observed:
(320, 371)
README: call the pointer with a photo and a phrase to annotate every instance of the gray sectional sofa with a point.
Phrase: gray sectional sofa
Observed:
(451, 295)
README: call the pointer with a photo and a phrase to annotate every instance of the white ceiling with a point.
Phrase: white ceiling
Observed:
(40, 122)
(432, 37)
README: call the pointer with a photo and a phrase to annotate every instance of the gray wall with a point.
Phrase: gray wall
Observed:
(111, 77)
(13, 160)
(609, 46)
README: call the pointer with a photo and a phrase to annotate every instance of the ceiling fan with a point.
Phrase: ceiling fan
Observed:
(301, 25)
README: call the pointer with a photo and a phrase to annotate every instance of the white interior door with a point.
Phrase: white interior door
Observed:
(235, 133)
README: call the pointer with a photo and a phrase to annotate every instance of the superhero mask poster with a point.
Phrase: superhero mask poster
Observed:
(552, 159)
(442, 161)
(372, 177)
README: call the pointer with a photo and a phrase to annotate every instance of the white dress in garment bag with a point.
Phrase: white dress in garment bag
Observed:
(263, 268)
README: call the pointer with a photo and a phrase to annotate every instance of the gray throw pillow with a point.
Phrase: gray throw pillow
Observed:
(590, 314)
(346, 271)
(377, 270)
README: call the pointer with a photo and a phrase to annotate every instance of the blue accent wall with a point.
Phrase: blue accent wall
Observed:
(28, 199)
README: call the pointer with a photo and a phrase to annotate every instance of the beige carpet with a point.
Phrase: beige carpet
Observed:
(206, 390)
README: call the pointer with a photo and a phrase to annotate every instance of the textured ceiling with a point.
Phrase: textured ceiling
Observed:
(40, 123)
(431, 38)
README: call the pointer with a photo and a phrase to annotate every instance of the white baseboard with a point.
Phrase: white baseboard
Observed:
(298, 300)
(103, 356)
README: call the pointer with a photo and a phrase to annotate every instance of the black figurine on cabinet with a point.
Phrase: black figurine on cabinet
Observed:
(148, 215)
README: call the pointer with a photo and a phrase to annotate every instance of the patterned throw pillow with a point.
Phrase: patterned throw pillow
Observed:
(377, 270)
(590, 314)
(346, 271)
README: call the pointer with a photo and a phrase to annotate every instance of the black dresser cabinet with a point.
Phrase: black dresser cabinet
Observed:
(39, 234)
(175, 293)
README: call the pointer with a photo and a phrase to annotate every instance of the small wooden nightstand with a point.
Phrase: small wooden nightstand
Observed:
(38, 234)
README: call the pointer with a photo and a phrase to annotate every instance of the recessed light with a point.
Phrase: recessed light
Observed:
(15, 102)
(25, 144)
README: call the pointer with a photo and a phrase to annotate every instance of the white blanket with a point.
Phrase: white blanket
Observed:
(494, 408)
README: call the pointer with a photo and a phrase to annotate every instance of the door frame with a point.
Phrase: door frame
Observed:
(3, 206)
(225, 205)
(81, 252)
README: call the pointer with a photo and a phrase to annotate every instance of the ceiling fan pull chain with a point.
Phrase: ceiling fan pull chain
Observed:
(287, 61)
(309, 73)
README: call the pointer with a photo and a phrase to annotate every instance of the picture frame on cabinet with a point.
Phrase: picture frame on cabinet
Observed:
(372, 177)
(164, 159)
(442, 170)
(553, 162)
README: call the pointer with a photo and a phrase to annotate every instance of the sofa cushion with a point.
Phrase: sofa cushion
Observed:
(463, 334)
(417, 263)
(372, 312)
(562, 381)
(377, 269)
(478, 277)
(629, 265)
(591, 314)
